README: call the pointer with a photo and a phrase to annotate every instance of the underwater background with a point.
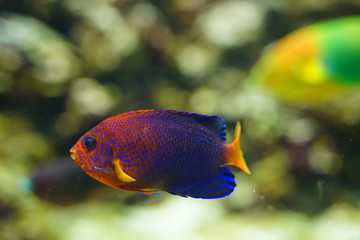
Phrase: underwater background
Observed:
(67, 65)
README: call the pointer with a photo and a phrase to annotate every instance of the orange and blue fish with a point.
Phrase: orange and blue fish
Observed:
(147, 151)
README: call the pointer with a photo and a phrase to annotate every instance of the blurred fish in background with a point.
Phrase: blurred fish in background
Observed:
(315, 64)
(61, 182)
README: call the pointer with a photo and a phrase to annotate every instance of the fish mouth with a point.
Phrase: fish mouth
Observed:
(73, 153)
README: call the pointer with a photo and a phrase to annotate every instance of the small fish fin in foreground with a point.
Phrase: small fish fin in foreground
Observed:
(218, 186)
(146, 191)
(121, 174)
(235, 156)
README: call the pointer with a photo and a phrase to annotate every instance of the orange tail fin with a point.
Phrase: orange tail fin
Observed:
(235, 155)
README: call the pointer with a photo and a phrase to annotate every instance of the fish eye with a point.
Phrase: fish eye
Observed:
(89, 143)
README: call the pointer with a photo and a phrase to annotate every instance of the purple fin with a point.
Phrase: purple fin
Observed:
(218, 186)
(214, 123)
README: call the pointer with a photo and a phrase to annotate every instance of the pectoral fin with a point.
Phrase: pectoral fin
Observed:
(121, 174)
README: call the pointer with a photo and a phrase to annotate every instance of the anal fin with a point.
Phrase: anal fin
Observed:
(217, 186)
(122, 176)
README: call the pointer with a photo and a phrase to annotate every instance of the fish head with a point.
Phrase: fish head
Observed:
(93, 152)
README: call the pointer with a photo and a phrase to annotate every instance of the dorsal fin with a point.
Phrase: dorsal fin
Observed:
(214, 123)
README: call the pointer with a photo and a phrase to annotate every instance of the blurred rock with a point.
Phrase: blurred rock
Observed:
(34, 57)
